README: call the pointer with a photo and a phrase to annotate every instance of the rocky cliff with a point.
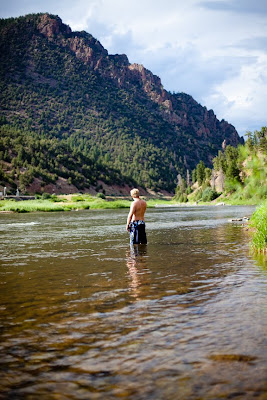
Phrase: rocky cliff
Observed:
(179, 109)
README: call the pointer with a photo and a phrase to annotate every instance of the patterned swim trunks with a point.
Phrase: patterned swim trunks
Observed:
(138, 232)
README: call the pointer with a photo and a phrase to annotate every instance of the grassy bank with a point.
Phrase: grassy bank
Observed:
(259, 225)
(49, 205)
(69, 203)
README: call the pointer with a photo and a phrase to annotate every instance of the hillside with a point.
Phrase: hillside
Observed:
(239, 175)
(114, 118)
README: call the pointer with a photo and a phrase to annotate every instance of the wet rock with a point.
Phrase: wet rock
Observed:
(243, 219)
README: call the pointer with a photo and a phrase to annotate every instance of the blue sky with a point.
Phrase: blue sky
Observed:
(214, 50)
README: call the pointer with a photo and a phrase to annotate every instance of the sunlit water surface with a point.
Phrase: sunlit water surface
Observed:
(83, 316)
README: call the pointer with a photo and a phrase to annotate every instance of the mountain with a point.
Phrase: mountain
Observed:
(113, 121)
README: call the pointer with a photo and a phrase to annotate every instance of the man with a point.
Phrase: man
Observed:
(136, 219)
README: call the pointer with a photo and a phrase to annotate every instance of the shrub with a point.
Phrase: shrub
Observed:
(55, 198)
(209, 194)
(101, 195)
(198, 195)
(185, 199)
(189, 190)
(76, 199)
(46, 196)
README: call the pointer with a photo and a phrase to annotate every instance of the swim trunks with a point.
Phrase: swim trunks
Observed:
(138, 232)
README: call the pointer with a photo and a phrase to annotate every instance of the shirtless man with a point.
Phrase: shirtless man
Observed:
(136, 219)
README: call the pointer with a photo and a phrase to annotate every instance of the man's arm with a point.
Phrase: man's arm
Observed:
(130, 215)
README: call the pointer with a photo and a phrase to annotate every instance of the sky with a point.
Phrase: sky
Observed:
(214, 50)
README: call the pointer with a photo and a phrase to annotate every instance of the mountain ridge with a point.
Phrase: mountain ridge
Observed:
(64, 84)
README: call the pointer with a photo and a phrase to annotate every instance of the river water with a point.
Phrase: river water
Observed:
(84, 316)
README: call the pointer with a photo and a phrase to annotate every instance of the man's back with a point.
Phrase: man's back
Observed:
(139, 209)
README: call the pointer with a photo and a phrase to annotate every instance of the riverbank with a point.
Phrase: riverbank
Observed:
(70, 203)
(259, 226)
(75, 202)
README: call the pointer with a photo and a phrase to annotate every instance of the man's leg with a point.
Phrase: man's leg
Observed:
(132, 233)
(142, 234)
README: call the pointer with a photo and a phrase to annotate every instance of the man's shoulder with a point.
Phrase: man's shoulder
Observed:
(143, 203)
(139, 203)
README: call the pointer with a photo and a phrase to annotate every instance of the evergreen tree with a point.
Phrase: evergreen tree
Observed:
(200, 172)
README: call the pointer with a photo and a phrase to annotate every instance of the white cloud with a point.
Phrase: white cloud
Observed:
(214, 50)
(241, 100)
(239, 6)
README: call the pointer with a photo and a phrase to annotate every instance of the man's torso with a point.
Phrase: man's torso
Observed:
(139, 210)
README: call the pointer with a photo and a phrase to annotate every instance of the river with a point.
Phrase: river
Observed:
(84, 316)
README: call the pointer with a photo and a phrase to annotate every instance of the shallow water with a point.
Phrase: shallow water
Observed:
(84, 316)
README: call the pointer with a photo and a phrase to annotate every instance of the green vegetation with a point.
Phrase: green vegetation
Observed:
(32, 205)
(202, 193)
(259, 223)
(56, 204)
(245, 170)
(239, 175)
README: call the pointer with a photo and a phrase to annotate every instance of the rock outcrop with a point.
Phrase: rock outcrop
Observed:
(177, 109)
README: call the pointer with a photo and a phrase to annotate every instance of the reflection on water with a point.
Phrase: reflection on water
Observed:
(136, 263)
(85, 316)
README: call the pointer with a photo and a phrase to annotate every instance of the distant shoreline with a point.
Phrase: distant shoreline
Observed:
(86, 202)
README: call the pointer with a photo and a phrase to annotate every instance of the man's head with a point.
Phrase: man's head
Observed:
(134, 193)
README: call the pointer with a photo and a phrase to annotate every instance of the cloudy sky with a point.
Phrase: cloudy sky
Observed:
(214, 50)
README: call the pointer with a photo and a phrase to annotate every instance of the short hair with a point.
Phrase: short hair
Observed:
(134, 193)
